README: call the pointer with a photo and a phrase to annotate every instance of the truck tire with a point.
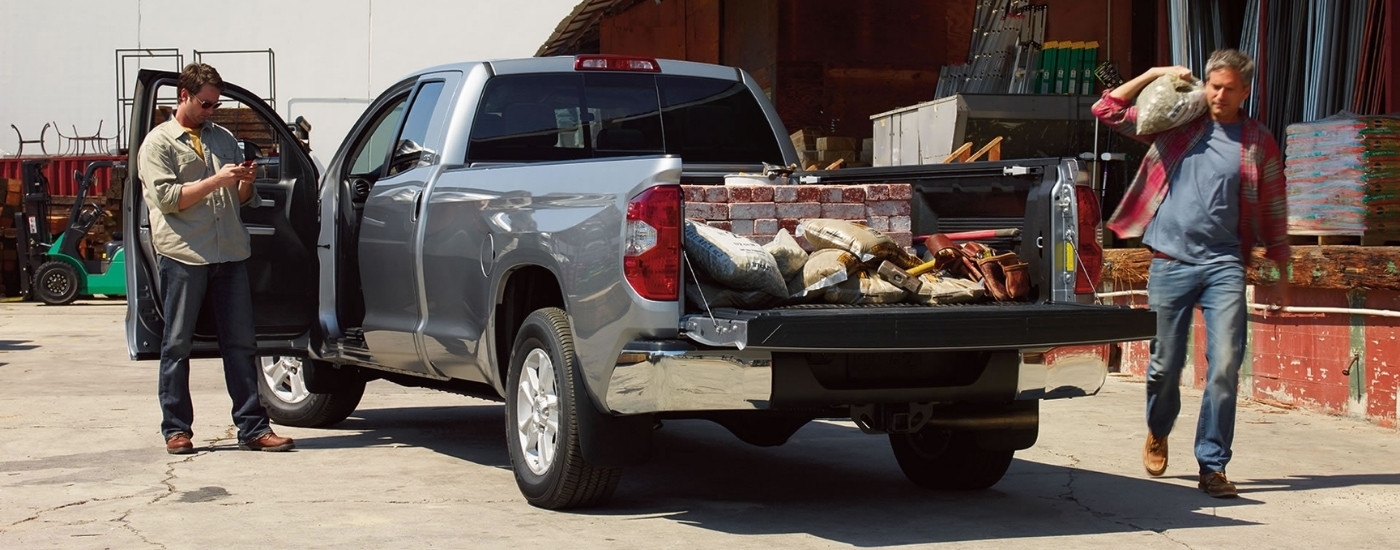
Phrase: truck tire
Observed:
(284, 392)
(941, 459)
(543, 399)
(56, 283)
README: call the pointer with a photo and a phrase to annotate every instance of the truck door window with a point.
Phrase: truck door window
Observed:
(374, 144)
(408, 151)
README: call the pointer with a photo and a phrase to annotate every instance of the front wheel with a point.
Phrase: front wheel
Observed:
(948, 460)
(56, 283)
(290, 402)
(543, 397)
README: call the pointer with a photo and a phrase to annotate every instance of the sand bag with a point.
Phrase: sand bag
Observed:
(825, 268)
(948, 290)
(1168, 102)
(731, 260)
(864, 290)
(787, 253)
(866, 243)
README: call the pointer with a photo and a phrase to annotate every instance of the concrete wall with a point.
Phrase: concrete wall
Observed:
(58, 58)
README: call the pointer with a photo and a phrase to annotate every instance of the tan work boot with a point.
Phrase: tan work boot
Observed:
(1215, 484)
(1154, 455)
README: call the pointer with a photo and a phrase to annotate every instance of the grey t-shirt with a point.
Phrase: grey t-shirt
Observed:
(1198, 221)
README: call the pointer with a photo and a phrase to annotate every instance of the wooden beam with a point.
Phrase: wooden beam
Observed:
(1329, 267)
(992, 149)
(960, 154)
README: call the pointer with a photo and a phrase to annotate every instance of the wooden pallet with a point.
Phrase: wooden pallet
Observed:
(1381, 238)
(1324, 239)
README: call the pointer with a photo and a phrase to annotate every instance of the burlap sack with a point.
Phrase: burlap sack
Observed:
(733, 261)
(1168, 102)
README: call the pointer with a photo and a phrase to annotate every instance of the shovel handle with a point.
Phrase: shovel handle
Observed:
(976, 235)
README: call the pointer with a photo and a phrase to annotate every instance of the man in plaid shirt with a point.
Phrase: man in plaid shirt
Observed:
(1206, 192)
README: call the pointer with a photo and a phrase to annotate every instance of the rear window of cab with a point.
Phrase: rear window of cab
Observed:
(568, 116)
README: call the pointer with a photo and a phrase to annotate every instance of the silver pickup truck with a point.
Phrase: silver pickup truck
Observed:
(512, 230)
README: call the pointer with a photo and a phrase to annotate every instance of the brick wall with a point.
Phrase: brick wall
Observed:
(759, 211)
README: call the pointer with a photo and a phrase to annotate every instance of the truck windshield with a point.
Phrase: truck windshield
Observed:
(570, 116)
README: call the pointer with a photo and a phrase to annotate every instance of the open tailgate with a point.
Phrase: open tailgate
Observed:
(918, 327)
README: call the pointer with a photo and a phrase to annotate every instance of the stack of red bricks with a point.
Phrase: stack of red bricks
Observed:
(759, 211)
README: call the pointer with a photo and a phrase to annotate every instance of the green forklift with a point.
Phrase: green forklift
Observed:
(55, 272)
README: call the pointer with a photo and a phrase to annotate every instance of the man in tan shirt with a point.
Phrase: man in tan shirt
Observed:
(193, 185)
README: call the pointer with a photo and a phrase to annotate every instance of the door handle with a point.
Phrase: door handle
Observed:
(417, 205)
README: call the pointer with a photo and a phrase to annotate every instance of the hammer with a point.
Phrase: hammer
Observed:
(906, 279)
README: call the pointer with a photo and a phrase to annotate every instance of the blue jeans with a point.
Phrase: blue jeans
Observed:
(223, 288)
(1174, 289)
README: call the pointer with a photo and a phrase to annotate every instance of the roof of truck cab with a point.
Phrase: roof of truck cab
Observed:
(566, 64)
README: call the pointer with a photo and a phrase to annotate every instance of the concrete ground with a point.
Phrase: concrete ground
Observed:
(82, 466)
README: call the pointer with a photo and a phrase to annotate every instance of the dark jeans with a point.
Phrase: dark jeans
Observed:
(223, 288)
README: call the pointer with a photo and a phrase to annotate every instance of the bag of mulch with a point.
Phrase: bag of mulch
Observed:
(866, 243)
(733, 261)
(789, 255)
(863, 289)
(1168, 102)
(824, 268)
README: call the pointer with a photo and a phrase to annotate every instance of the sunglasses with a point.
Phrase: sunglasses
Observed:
(206, 104)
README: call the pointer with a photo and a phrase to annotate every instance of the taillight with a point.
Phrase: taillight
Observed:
(652, 245)
(616, 63)
(1086, 278)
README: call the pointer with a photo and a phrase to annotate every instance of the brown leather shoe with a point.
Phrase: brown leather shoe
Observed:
(1215, 484)
(179, 444)
(269, 442)
(1154, 455)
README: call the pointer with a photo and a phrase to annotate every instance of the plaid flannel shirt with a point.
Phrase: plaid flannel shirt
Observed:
(1263, 198)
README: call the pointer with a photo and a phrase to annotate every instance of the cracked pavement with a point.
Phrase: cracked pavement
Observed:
(82, 466)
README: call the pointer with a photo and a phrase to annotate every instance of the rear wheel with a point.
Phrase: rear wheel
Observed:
(543, 398)
(289, 400)
(948, 460)
(56, 283)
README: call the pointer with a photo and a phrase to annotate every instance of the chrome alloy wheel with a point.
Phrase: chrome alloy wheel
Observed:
(284, 376)
(537, 412)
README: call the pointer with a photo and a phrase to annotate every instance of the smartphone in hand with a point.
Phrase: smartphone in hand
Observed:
(247, 164)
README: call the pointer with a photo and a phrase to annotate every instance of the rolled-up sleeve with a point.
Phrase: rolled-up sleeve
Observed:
(160, 184)
(1118, 114)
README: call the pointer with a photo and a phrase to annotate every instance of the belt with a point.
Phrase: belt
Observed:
(1156, 254)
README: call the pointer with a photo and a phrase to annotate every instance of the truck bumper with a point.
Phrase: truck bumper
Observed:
(677, 376)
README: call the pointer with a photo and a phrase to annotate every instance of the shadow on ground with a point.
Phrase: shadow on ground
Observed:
(835, 483)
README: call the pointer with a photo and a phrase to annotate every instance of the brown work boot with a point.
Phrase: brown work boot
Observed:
(179, 444)
(1215, 484)
(269, 442)
(1154, 455)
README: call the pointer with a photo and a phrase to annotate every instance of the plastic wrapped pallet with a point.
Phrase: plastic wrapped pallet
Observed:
(1343, 175)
